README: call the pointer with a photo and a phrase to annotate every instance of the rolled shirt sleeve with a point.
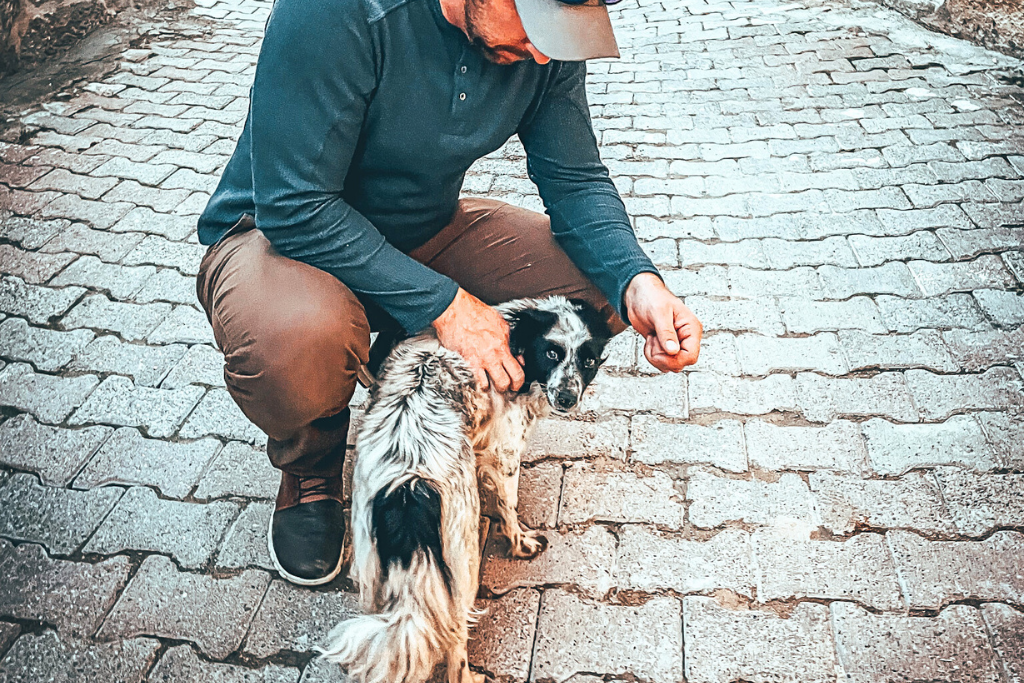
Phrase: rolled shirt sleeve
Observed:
(314, 80)
(588, 218)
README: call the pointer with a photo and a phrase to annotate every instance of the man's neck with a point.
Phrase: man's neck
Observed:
(455, 12)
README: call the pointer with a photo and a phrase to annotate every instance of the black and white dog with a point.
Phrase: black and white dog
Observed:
(430, 437)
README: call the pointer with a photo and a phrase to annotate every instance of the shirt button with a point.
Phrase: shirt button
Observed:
(462, 96)
(463, 69)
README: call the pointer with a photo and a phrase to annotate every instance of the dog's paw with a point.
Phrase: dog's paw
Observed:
(530, 545)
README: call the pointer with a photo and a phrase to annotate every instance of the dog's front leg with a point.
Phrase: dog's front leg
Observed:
(524, 543)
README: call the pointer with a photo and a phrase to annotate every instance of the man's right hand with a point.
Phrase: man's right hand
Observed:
(479, 334)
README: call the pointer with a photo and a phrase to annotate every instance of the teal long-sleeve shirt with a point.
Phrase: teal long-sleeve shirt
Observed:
(364, 117)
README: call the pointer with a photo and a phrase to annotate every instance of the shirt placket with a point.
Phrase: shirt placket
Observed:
(462, 92)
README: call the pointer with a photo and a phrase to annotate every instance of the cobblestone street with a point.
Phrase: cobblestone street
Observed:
(834, 492)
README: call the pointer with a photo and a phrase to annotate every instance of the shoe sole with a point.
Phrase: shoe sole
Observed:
(298, 580)
(364, 377)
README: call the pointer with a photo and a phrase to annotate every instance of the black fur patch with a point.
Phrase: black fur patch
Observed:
(526, 340)
(407, 520)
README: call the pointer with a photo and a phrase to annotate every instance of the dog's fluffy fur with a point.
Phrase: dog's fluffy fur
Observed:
(428, 440)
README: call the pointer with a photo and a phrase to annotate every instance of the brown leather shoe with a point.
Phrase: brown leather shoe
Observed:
(307, 529)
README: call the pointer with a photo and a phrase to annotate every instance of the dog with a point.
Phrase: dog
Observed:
(429, 439)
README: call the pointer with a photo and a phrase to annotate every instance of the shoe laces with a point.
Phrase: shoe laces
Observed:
(315, 488)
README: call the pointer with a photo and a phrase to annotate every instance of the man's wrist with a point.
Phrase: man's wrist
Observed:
(640, 283)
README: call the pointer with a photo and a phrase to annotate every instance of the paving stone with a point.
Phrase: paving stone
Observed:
(955, 311)
(129, 458)
(151, 173)
(296, 619)
(49, 398)
(837, 446)
(8, 633)
(239, 470)
(804, 316)
(714, 501)
(922, 349)
(784, 254)
(822, 399)
(47, 350)
(245, 544)
(188, 532)
(166, 603)
(540, 488)
(218, 414)
(71, 596)
(583, 559)
(913, 501)
(147, 365)
(760, 355)
(651, 562)
(30, 233)
(201, 365)
(950, 647)
(979, 502)
(740, 315)
(184, 325)
(962, 276)
(502, 642)
(55, 454)
(48, 657)
(663, 395)
(31, 266)
(181, 664)
(96, 214)
(159, 251)
(939, 396)
(728, 645)
(119, 281)
(60, 519)
(168, 285)
(576, 636)
(706, 281)
(874, 251)
(117, 401)
(1006, 433)
(592, 494)
(895, 449)
(1005, 308)
(973, 242)
(38, 304)
(710, 392)
(62, 181)
(935, 573)
(858, 569)
(131, 321)
(892, 278)
(744, 253)
(720, 444)
(607, 436)
(142, 219)
(1006, 627)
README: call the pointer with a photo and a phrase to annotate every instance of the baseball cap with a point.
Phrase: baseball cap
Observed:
(569, 30)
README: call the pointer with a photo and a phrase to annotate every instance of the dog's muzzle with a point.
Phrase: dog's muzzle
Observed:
(566, 399)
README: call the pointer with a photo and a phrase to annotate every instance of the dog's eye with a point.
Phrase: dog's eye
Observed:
(552, 354)
(589, 363)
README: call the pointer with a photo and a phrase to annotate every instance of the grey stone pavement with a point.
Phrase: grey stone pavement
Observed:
(835, 492)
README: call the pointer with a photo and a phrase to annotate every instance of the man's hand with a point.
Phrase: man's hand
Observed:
(672, 330)
(479, 334)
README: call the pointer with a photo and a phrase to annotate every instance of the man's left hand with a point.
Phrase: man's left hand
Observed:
(671, 329)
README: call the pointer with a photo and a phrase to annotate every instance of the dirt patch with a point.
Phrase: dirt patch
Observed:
(995, 24)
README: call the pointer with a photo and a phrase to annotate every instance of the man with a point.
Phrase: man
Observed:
(339, 213)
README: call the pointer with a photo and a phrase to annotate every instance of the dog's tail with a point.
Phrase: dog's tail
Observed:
(415, 513)
(405, 641)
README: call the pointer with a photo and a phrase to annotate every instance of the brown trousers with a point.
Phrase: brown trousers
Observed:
(293, 336)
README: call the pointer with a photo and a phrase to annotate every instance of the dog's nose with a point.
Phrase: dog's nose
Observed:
(565, 400)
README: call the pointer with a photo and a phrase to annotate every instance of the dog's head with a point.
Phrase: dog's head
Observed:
(561, 343)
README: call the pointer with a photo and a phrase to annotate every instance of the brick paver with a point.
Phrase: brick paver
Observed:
(835, 492)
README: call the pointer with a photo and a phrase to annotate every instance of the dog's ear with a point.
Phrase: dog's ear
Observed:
(594, 321)
(526, 325)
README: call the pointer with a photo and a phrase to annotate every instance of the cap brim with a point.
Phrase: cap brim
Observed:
(568, 33)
